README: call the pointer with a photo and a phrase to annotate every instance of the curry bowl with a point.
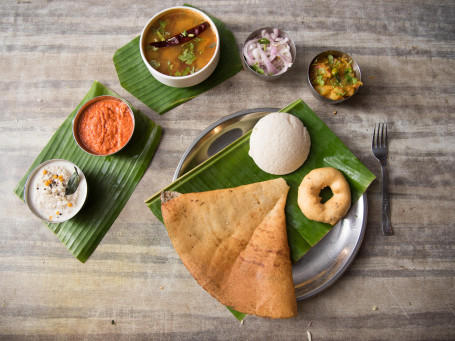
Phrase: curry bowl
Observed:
(334, 77)
(103, 125)
(180, 46)
(268, 53)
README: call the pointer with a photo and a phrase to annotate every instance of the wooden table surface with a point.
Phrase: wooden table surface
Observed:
(52, 51)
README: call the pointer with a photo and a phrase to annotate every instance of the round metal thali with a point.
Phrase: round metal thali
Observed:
(325, 262)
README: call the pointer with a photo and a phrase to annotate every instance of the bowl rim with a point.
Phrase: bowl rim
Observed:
(356, 69)
(164, 11)
(254, 34)
(81, 110)
(32, 174)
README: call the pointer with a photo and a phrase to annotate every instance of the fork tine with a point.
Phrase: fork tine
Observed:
(378, 136)
(381, 142)
(373, 142)
(385, 137)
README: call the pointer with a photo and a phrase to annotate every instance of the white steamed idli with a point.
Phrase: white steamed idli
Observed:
(279, 143)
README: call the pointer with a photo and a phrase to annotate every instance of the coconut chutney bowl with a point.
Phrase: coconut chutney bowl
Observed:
(330, 69)
(103, 125)
(268, 53)
(55, 191)
(180, 46)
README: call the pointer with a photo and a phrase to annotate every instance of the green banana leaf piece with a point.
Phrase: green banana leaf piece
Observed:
(237, 314)
(233, 167)
(137, 79)
(111, 179)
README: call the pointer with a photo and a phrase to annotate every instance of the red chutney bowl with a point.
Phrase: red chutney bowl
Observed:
(103, 125)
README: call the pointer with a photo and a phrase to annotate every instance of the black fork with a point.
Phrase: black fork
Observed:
(380, 148)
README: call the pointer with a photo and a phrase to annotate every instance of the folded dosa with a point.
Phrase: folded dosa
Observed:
(234, 243)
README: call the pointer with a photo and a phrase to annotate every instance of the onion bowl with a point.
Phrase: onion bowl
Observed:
(268, 53)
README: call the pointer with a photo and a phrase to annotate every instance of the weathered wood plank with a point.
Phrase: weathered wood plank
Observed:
(51, 51)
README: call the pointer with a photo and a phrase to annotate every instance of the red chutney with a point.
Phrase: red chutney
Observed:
(106, 126)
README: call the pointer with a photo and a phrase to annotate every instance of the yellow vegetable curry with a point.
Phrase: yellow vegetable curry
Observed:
(333, 77)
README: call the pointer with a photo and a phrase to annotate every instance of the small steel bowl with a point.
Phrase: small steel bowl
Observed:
(81, 111)
(257, 34)
(355, 68)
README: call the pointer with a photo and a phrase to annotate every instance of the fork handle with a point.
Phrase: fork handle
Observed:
(386, 225)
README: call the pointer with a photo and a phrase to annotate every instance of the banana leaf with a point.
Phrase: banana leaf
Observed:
(237, 314)
(137, 79)
(233, 167)
(111, 179)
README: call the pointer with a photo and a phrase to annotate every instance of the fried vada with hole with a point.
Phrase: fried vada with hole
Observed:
(309, 199)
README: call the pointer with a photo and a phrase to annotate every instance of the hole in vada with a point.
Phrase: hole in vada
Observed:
(325, 194)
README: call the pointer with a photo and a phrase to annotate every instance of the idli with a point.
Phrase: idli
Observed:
(279, 143)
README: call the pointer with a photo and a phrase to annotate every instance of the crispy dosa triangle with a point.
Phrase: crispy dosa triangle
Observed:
(234, 243)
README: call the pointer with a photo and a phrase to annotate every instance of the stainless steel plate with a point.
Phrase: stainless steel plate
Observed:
(324, 263)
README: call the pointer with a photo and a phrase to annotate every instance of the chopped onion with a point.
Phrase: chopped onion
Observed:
(269, 58)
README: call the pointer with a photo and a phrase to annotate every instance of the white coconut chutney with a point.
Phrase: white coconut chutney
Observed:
(279, 143)
(45, 191)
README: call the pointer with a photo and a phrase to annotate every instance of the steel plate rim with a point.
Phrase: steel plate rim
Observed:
(350, 259)
(210, 128)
